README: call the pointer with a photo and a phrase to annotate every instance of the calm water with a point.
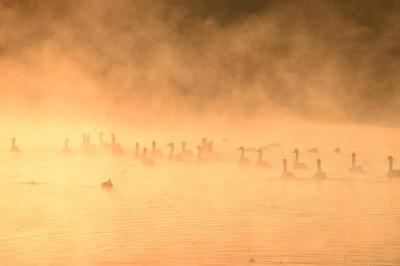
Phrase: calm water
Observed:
(191, 214)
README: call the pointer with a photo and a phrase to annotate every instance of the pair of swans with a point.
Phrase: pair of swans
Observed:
(260, 162)
(318, 175)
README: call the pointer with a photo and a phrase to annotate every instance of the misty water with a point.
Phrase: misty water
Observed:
(187, 213)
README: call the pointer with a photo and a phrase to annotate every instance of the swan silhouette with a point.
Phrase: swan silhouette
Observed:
(145, 160)
(172, 156)
(319, 174)
(107, 185)
(154, 151)
(392, 172)
(14, 147)
(357, 169)
(260, 162)
(285, 172)
(298, 165)
(138, 156)
(116, 148)
(185, 152)
(200, 157)
(66, 149)
(242, 159)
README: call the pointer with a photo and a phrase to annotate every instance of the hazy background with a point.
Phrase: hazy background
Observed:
(159, 61)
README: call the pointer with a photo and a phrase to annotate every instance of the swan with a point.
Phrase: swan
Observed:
(145, 160)
(154, 151)
(392, 172)
(200, 157)
(87, 147)
(319, 174)
(286, 173)
(260, 163)
(298, 165)
(337, 150)
(171, 156)
(137, 152)
(242, 160)
(107, 185)
(66, 149)
(14, 147)
(185, 152)
(355, 168)
(210, 153)
(116, 148)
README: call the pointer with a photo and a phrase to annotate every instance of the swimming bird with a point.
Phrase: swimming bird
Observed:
(298, 165)
(337, 150)
(116, 148)
(14, 147)
(137, 152)
(66, 149)
(107, 185)
(319, 174)
(154, 151)
(286, 173)
(243, 161)
(392, 172)
(200, 157)
(260, 162)
(357, 169)
(185, 152)
(145, 160)
(172, 156)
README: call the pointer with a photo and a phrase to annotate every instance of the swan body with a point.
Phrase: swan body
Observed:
(392, 172)
(297, 164)
(200, 158)
(14, 147)
(185, 152)
(116, 148)
(356, 169)
(138, 156)
(319, 174)
(172, 156)
(285, 172)
(242, 160)
(66, 150)
(145, 160)
(260, 162)
(154, 151)
(107, 185)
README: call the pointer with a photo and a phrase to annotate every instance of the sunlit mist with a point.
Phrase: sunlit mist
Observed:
(173, 132)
